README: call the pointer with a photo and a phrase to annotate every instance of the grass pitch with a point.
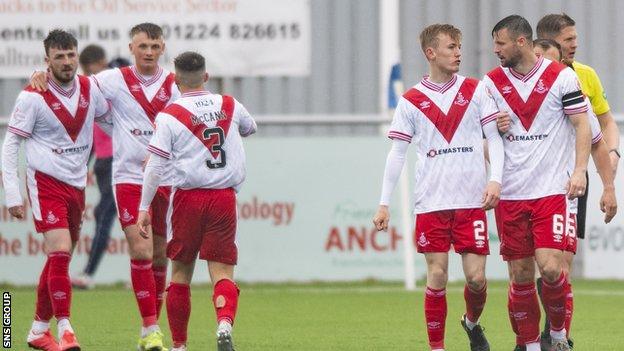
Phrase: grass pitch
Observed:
(362, 316)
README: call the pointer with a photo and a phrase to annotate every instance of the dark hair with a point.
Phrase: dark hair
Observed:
(429, 35)
(516, 26)
(551, 25)
(189, 61)
(91, 54)
(546, 44)
(152, 30)
(190, 69)
(59, 39)
(119, 62)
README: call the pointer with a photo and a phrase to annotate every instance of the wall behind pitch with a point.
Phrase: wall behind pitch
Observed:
(597, 22)
(305, 214)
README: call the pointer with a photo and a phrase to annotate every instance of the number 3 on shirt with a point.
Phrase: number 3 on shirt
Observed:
(218, 136)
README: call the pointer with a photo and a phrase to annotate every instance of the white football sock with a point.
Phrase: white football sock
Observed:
(63, 325)
(39, 327)
(145, 331)
(534, 346)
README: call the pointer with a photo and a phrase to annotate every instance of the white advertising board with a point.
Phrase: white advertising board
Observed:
(237, 37)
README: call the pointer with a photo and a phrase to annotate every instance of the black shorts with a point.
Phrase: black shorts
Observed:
(582, 212)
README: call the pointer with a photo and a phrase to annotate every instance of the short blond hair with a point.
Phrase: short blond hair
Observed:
(429, 35)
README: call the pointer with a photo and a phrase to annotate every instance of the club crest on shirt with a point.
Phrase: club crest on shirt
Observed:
(56, 106)
(424, 104)
(162, 95)
(540, 87)
(460, 100)
(506, 89)
(82, 102)
(135, 88)
(51, 218)
(126, 216)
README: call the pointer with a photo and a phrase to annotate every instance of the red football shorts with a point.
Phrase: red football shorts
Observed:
(526, 225)
(203, 221)
(55, 204)
(128, 197)
(466, 229)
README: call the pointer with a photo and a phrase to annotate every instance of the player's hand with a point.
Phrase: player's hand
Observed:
(576, 185)
(17, 211)
(382, 218)
(144, 222)
(503, 121)
(608, 204)
(491, 195)
(38, 81)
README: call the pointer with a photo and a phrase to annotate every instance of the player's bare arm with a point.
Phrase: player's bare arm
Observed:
(608, 202)
(578, 183)
(612, 137)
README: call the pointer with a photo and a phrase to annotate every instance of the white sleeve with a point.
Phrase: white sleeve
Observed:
(572, 97)
(104, 80)
(161, 142)
(10, 179)
(392, 172)
(403, 127)
(152, 176)
(487, 105)
(247, 126)
(24, 115)
(495, 151)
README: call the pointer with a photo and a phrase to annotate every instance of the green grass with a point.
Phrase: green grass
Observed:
(361, 316)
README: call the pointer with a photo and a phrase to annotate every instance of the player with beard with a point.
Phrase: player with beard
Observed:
(57, 143)
(137, 93)
(549, 132)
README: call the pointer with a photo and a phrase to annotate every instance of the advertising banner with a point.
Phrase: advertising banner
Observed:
(237, 37)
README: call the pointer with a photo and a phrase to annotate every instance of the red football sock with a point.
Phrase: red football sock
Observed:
(59, 286)
(569, 308)
(435, 316)
(512, 320)
(475, 301)
(43, 311)
(225, 299)
(160, 279)
(178, 312)
(554, 298)
(144, 289)
(526, 312)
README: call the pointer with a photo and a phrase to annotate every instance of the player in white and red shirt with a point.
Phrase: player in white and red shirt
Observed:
(57, 127)
(549, 131)
(199, 136)
(551, 50)
(445, 116)
(137, 94)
